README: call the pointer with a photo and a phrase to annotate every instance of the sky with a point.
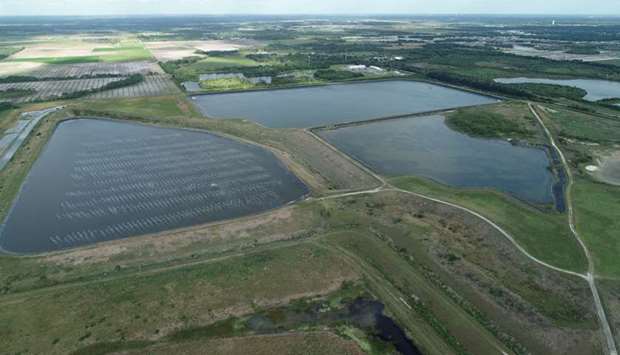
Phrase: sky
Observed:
(138, 7)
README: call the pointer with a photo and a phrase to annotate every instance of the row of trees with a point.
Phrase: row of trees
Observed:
(25, 78)
(128, 81)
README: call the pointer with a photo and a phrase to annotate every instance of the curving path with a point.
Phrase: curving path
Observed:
(588, 277)
(600, 310)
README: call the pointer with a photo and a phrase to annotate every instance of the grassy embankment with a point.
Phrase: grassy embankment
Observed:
(323, 172)
(597, 210)
(128, 280)
(175, 287)
(544, 234)
(596, 204)
(322, 169)
(13, 175)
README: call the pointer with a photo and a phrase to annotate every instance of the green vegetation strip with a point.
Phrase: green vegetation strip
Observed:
(552, 91)
(544, 235)
(482, 123)
(598, 223)
(61, 60)
(129, 81)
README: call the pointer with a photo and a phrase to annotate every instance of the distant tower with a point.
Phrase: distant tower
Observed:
(553, 23)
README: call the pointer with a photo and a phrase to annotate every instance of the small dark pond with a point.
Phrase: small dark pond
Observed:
(363, 313)
(99, 180)
(427, 147)
(325, 105)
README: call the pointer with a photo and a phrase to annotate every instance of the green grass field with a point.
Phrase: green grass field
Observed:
(598, 222)
(226, 84)
(611, 62)
(6, 51)
(544, 235)
(123, 53)
(582, 126)
(126, 52)
(166, 106)
(211, 64)
(61, 60)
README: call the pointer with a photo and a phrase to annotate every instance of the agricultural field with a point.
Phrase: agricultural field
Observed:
(94, 69)
(54, 89)
(153, 85)
(174, 50)
(6, 52)
(74, 51)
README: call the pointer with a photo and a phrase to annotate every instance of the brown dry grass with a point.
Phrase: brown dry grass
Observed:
(277, 225)
(58, 49)
(151, 305)
(174, 50)
(323, 343)
(18, 68)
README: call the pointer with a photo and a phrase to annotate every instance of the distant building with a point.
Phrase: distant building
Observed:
(359, 67)
(216, 76)
(255, 80)
(191, 86)
(260, 80)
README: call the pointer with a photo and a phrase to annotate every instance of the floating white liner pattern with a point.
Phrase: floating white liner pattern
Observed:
(100, 180)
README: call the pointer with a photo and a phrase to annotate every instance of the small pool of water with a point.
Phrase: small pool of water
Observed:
(100, 180)
(330, 104)
(427, 147)
(597, 89)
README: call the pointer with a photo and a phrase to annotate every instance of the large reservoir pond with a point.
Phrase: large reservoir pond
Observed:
(427, 147)
(100, 180)
(330, 104)
(597, 89)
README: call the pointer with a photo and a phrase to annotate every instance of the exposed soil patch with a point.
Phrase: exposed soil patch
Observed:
(609, 169)
(174, 50)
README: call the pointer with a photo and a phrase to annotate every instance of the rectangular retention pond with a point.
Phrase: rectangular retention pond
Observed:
(325, 105)
(99, 180)
(427, 147)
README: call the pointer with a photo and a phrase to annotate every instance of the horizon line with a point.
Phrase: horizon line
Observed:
(317, 14)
